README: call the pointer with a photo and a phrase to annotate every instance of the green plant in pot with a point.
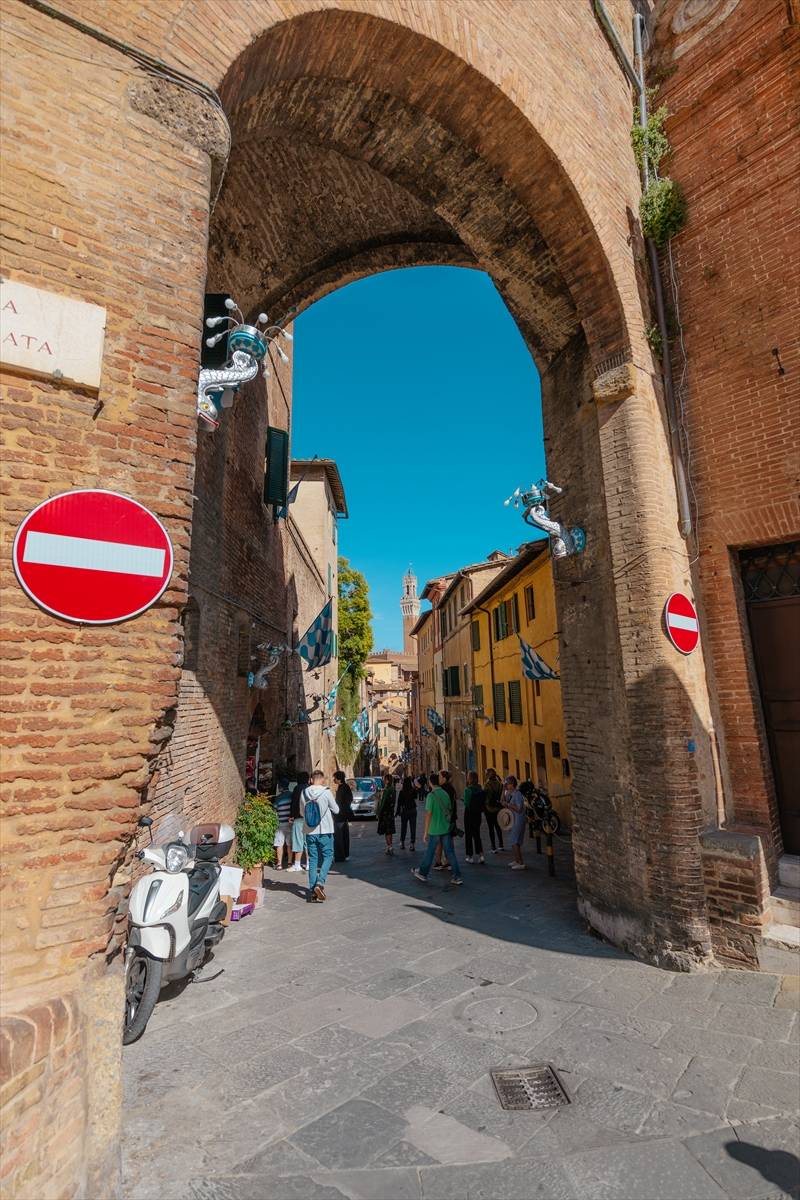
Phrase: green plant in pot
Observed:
(256, 823)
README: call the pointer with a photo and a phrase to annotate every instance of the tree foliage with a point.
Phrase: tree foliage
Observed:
(355, 643)
(256, 822)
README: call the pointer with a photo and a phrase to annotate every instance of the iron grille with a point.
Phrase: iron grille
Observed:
(770, 572)
(530, 1088)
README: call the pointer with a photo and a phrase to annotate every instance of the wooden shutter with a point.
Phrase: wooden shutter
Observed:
(477, 695)
(476, 635)
(515, 702)
(515, 613)
(499, 702)
(530, 604)
(276, 476)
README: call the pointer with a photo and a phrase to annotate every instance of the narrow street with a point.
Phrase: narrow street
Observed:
(345, 1051)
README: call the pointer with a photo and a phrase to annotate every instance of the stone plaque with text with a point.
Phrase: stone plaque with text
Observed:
(42, 333)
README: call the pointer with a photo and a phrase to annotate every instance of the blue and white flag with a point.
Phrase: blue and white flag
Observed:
(436, 721)
(532, 665)
(330, 699)
(316, 645)
(360, 726)
(425, 731)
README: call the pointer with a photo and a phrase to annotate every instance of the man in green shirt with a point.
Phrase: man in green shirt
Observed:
(438, 823)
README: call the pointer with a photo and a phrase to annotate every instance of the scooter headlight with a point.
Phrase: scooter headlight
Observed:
(176, 857)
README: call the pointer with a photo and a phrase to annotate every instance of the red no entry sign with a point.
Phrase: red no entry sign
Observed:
(680, 618)
(93, 557)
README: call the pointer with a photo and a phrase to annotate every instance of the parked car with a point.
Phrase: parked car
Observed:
(365, 795)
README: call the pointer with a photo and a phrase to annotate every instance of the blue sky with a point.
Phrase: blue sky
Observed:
(420, 386)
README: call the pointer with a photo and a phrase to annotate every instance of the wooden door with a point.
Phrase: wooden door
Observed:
(772, 590)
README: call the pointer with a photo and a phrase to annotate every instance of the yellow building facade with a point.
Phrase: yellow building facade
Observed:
(519, 724)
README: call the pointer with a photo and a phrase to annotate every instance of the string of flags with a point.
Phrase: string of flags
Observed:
(360, 726)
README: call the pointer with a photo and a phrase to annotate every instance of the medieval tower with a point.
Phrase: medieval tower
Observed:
(409, 606)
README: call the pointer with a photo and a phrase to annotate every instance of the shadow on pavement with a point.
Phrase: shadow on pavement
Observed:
(777, 1167)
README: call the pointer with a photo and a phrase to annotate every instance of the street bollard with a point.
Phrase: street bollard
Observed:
(551, 862)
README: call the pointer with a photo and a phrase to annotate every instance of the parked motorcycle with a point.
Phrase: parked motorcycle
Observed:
(542, 817)
(174, 917)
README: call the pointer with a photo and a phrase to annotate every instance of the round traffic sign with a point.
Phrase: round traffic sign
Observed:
(93, 557)
(680, 620)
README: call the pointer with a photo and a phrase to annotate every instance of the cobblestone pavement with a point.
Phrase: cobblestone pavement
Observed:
(345, 1051)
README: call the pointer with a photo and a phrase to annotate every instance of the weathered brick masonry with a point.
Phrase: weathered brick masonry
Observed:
(479, 132)
(735, 130)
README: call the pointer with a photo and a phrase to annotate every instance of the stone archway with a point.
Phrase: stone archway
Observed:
(359, 145)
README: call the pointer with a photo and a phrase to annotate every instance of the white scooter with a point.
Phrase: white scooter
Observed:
(174, 917)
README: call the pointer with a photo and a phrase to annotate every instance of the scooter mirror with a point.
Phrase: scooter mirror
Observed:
(145, 822)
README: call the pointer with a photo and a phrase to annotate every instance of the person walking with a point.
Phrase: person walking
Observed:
(437, 836)
(341, 822)
(282, 803)
(473, 814)
(514, 799)
(444, 781)
(386, 812)
(296, 822)
(317, 808)
(493, 790)
(406, 810)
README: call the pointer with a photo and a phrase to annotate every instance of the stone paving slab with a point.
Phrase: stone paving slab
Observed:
(353, 1064)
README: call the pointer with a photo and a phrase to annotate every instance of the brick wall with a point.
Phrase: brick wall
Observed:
(734, 130)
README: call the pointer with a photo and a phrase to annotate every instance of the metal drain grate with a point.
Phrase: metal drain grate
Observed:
(528, 1088)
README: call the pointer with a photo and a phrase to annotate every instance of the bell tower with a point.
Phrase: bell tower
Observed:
(409, 606)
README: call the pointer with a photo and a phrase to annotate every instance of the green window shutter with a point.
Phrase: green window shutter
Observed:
(515, 702)
(445, 681)
(276, 477)
(499, 702)
(455, 683)
(476, 635)
(515, 613)
(477, 695)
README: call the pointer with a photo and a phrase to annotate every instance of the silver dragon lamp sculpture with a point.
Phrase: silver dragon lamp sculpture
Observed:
(248, 346)
(564, 540)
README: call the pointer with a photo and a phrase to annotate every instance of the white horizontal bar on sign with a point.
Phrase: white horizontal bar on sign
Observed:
(679, 622)
(89, 554)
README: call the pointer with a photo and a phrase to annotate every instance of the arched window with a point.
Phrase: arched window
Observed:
(190, 624)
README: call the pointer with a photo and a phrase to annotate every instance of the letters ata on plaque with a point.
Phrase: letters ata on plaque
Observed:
(54, 336)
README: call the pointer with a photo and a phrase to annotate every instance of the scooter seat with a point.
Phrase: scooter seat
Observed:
(201, 880)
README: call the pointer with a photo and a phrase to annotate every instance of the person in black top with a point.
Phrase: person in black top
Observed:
(407, 812)
(341, 820)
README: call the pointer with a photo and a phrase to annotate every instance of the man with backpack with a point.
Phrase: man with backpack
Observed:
(317, 807)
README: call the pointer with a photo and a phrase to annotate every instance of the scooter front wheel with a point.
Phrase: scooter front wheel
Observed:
(142, 985)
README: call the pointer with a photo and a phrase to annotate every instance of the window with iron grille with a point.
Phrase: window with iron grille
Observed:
(530, 604)
(476, 635)
(499, 702)
(770, 572)
(515, 702)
